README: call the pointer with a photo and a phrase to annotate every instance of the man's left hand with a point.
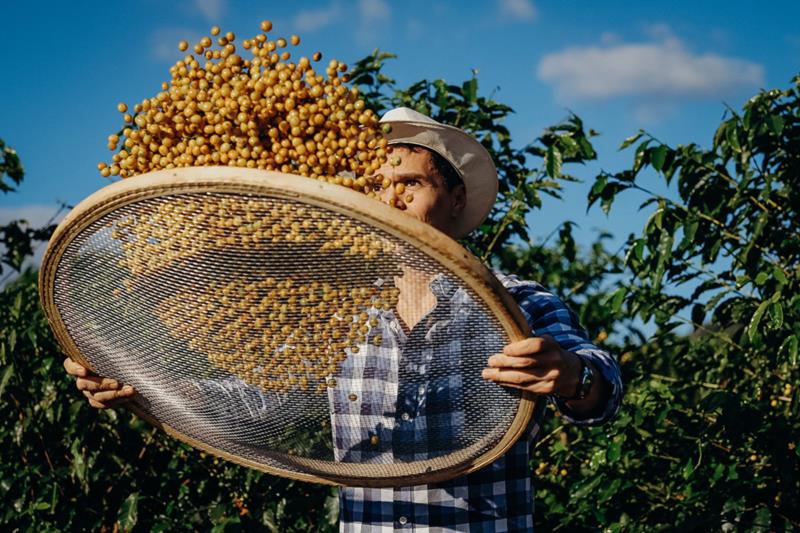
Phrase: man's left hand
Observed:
(536, 364)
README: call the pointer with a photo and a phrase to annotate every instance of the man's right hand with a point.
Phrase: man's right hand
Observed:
(101, 392)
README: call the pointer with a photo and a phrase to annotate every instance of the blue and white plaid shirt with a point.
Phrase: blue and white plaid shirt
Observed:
(409, 406)
(496, 498)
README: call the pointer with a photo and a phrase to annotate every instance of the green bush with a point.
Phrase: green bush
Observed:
(707, 438)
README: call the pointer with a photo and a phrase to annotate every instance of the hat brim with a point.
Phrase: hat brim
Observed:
(470, 159)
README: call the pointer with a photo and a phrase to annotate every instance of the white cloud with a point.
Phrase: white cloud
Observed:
(609, 37)
(518, 9)
(210, 9)
(661, 68)
(37, 215)
(658, 31)
(373, 16)
(374, 10)
(308, 20)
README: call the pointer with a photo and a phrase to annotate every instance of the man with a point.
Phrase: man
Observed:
(448, 180)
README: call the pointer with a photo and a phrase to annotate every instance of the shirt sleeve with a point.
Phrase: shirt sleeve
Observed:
(547, 314)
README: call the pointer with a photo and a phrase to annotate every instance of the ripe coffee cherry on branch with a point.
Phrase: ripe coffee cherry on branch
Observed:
(265, 112)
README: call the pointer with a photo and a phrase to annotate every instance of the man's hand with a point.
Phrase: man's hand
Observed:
(539, 365)
(101, 392)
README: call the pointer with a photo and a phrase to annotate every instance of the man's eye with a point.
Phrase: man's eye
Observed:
(411, 183)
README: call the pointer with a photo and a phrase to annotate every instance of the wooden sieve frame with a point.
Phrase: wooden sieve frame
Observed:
(422, 236)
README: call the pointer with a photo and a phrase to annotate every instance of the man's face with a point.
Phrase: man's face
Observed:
(431, 201)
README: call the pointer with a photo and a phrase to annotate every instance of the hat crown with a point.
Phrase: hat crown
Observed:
(406, 114)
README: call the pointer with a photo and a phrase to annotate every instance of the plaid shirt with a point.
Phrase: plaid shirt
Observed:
(393, 417)
(496, 498)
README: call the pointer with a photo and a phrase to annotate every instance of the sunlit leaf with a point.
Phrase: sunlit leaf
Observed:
(630, 140)
(129, 512)
(752, 326)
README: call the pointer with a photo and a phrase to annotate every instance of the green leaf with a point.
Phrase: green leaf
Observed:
(789, 346)
(332, 508)
(687, 470)
(732, 136)
(775, 124)
(7, 373)
(690, 229)
(230, 523)
(16, 307)
(776, 314)
(129, 512)
(761, 277)
(617, 298)
(752, 327)
(779, 275)
(613, 452)
(553, 162)
(638, 157)
(654, 219)
(470, 89)
(568, 144)
(762, 520)
(597, 190)
(664, 254)
(78, 462)
(658, 156)
(585, 489)
(630, 140)
(638, 249)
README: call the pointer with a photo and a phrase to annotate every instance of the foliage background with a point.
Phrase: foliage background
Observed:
(707, 438)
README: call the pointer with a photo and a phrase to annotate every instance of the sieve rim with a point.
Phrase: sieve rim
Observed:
(234, 180)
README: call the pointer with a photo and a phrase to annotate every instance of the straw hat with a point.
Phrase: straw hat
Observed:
(470, 159)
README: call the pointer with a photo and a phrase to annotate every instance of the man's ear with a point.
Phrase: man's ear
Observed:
(458, 200)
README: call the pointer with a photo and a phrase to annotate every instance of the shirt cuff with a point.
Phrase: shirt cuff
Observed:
(609, 370)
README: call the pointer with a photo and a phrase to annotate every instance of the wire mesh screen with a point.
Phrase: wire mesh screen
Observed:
(286, 335)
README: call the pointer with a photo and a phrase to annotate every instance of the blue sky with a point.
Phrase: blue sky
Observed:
(668, 67)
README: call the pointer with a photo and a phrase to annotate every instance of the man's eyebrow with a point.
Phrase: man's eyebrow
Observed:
(415, 176)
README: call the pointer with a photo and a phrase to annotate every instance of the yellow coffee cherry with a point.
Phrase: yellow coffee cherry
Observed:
(212, 114)
(183, 46)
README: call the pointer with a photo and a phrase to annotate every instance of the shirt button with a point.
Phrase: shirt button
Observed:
(352, 397)
(403, 520)
(406, 417)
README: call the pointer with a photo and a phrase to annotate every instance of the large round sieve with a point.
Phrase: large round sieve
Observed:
(287, 324)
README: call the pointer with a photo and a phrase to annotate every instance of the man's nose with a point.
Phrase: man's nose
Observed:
(388, 195)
